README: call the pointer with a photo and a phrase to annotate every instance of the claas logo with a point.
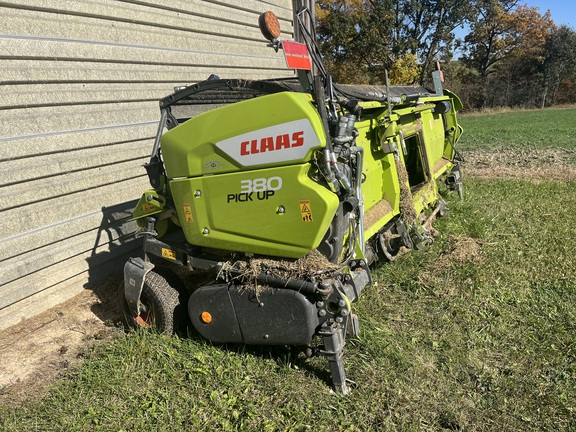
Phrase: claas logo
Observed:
(272, 143)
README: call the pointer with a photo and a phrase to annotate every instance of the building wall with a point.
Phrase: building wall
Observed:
(79, 85)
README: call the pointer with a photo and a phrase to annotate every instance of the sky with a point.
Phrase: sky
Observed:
(563, 11)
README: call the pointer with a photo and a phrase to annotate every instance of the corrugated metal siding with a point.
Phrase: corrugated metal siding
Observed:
(79, 85)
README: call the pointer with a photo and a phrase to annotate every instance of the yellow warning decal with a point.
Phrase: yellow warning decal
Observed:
(168, 253)
(188, 213)
(148, 207)
(306, 211)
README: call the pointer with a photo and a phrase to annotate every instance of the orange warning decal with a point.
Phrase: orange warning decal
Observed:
(306, 211)
(188, 213)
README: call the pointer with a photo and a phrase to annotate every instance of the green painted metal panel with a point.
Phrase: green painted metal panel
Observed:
(272, 211)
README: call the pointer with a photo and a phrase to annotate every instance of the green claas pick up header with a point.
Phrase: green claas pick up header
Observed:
(284, 192)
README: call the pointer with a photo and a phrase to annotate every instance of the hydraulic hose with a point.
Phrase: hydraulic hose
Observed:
(344, 181)
(359, 165)
(293, 284)
(328, 150)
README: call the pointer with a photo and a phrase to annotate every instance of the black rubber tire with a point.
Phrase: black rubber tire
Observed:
(163, 304)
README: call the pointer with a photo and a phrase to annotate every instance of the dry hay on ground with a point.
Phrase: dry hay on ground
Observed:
(461, 250)
(523, 164)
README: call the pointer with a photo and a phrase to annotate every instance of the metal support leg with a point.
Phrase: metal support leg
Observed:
(454, 181)
(333, 338)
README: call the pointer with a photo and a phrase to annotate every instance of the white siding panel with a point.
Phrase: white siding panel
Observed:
(61, 186)
(105, 220)
(87, 50)
(37, 95)
(154, 28)
(24, 71)
(32, 121)
(79, 93)
(43, 300)
(32, 283)
(50, 142)
(45, 167)
(38, 214)
(41, 258)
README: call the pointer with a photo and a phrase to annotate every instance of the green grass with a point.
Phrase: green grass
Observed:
(551, 128)
(449, 341)
(494, 339)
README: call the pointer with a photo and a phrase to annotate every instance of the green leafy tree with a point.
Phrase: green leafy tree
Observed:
(405, 69)
(354, 36)
(506, 46)
(426, 28)
(362, 38)
(559, 67)
(486, 44)
(513, 54)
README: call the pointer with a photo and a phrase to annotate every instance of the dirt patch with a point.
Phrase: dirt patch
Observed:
(461, 250)
(535, 165)
(36, 352)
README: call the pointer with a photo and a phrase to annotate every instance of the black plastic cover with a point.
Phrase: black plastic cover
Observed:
(273, 317)
(215, 300)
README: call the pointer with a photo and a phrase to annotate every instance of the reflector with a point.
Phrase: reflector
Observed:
(206, 317)
(296, 55)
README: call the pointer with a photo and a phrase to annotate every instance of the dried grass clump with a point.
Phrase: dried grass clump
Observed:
(312, 265)
(406, 201)
(463, 249)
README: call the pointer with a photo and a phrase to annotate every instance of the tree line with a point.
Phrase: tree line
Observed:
(512, 55)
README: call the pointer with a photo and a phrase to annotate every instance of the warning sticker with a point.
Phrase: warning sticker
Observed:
(168, 253)
(188, 213)
(306, 211)
(148, 207)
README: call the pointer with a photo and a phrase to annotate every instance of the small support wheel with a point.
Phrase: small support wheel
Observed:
(162, 304)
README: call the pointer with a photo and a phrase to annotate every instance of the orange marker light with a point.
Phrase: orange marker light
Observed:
(206, 317)
(269, 25)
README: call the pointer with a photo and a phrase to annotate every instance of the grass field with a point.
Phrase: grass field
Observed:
(531, 129)
(477, 333)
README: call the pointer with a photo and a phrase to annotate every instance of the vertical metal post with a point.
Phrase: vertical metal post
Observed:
(161, 126)
(333, 338)
(296, 6)
(308, 24)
